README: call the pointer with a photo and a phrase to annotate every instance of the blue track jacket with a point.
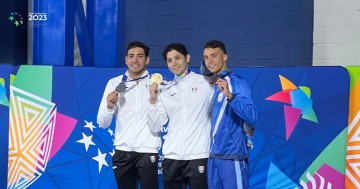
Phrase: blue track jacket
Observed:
(227, 137)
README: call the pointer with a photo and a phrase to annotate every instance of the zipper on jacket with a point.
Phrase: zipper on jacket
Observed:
(184, 116)
(136, 114)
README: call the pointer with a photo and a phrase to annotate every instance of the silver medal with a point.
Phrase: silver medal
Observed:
(121, 87)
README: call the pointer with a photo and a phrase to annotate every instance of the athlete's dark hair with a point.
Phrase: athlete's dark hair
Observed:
(215, 44)
(139, 44)
(175, 46)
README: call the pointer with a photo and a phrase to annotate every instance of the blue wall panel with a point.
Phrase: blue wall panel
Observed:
(53, 40)
(257, 33)
(5, 71)
(106, 21)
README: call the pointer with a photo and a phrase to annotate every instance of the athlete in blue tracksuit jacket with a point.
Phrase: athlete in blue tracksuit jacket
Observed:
(232, 106)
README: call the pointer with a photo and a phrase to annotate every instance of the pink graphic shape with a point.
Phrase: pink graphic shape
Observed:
(317, 183)
(282, 96)
(64, 126)
(292, 116)
(329, 177)
(332, 176)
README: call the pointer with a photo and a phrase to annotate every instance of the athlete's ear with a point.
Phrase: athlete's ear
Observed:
(187, 58)
(147, 60)
(126, 60)
(225, 57)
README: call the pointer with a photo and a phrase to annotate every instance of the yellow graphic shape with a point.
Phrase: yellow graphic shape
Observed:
(286, 84)
(31, 132)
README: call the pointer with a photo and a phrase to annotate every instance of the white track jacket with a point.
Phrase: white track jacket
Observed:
(132, 132)
(185, 103)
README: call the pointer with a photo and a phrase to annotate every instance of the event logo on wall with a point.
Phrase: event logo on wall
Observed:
(16, 19)
(36, 128)
(31, 135)
(321, 173)
(37, 19)
(300, 102)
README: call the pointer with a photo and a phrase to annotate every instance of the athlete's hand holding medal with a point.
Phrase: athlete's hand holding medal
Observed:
(213, 79)
(121, 87)
(113, 96)
(222, 85)
(156, 79)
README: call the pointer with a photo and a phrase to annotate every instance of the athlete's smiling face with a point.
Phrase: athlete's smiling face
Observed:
(215, 60)
(177, 62)
(136, 61)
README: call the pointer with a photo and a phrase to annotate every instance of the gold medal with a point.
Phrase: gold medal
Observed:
(156, 78)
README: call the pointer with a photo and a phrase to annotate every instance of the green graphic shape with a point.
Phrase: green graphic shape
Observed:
(35, 79)
(333, 155)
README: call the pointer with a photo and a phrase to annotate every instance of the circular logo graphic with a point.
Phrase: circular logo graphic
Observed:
(220, 97)
(16, 18)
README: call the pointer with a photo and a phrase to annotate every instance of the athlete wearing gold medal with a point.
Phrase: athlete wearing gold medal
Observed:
(185, 105)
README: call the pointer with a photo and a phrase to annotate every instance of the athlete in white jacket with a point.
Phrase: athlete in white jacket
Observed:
(126, 98)
(185, 104)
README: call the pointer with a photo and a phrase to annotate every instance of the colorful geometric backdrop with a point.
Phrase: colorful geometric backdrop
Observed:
(353, 143)
(54, 140)
(300, 140)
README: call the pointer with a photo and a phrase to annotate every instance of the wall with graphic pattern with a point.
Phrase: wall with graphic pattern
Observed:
(49, 135)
